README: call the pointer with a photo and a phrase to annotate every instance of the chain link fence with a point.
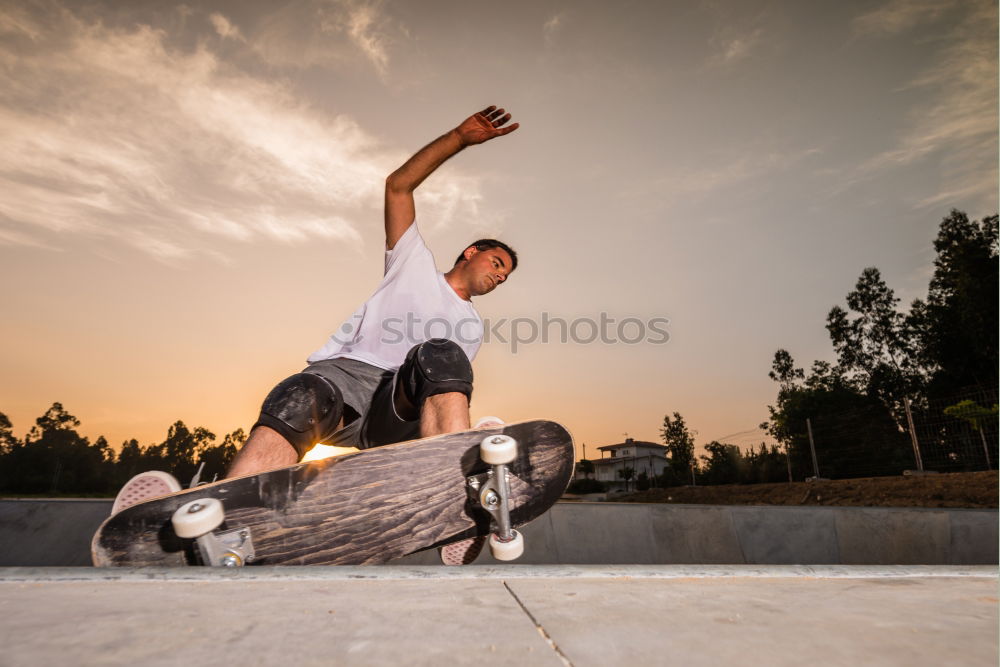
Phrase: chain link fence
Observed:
(957, 433)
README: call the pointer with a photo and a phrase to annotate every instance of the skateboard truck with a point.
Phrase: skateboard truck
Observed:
(492, 490)
(198, 519)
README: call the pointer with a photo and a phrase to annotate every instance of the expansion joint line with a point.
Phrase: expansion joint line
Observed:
(538, 626)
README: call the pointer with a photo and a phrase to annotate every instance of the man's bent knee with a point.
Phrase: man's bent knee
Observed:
(304, 409)
(436, 366)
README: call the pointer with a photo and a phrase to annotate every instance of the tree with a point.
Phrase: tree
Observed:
(979, 418)
(218, 458)
(9, 444)
(765, 466)
(680, 449)
(7, 438)
(626, 474)
(129, 457)
(878, 346)
(861, 436)
(180, 451)
(723, 464)
(957, 325)
(642, 482)
(585, 466)
(55, 458)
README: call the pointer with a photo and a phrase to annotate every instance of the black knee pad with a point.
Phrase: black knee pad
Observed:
(437, 366)
(304, 408)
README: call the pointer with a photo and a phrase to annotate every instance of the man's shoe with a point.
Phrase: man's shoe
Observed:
(462, 553)
(145, 486)
(466, 551)
(489, 420)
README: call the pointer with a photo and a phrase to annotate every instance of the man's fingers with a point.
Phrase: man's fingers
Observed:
(497, 118)
(500, 121)
(508, 130)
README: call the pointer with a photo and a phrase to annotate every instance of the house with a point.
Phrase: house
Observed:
(640, 456)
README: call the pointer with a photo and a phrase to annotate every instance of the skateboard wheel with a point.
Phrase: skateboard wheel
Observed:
(198, 517)
(497, 449)
(509, 550)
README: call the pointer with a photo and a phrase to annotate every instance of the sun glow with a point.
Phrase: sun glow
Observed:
(326, 451)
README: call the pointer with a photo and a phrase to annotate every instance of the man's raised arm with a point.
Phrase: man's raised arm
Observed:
(399, 186)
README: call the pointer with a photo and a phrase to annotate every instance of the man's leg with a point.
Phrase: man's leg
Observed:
(264, 449)
(299, 412)
(428, 395)
(439, 376)
(444, 413)
(440, 413)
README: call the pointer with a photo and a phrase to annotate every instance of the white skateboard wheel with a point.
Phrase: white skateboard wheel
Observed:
(198, 517)
(497, 449)
(507, 550)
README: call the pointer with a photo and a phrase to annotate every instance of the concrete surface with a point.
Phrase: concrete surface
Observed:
(525, 615)
(49, 532)
(57, 533)
(634, 533)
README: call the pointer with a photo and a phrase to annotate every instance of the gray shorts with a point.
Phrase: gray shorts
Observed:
(368, 393)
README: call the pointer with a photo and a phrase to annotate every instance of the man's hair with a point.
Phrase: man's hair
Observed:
(486, 244)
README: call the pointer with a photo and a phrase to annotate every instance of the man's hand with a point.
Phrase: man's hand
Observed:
(399, 186)
(485, 125)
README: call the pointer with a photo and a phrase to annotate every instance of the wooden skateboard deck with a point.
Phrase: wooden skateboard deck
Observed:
(360, 508)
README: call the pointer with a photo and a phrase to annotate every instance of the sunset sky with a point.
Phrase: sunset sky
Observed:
(191, 193)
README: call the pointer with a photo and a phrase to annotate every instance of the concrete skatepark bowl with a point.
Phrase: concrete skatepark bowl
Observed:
(599, 584)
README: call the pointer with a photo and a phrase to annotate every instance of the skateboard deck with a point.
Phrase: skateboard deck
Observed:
(361, 508)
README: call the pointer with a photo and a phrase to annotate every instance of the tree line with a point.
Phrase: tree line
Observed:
(898, 367)
(895, 368)
(53, 458)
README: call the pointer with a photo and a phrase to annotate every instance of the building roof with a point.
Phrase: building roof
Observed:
(629, 442)
(618, 459)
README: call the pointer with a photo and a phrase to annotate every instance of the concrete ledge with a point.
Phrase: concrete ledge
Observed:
(498, 572)
(633, 533)
(49, 531)
(58, 533)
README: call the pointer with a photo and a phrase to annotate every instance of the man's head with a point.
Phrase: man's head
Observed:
(484, 265)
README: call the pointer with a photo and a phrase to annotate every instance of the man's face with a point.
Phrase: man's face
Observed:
(485, 269)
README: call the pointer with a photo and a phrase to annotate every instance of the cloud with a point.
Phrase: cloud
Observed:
(107, 132)
(956, 126)
(734, 49)
(362, 23)
(898, 16)
(316, 33)
(552, 27)
(718, 180)
(225, 29)
(741, 33)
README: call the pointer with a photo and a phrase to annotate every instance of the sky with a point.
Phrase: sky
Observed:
(191, 193)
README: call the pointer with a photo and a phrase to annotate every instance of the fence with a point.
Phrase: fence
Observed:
(959, 433)
(953, 434)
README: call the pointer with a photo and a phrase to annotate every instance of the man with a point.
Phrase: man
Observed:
(382, 377)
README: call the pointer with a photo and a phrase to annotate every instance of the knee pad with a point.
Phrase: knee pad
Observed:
(304, 408)
(436, 366)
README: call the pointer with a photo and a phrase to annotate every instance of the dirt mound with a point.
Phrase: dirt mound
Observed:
(965, 489)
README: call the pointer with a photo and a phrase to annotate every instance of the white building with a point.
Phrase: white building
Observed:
(641, 457)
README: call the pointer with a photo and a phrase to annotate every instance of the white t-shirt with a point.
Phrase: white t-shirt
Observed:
(414, 303)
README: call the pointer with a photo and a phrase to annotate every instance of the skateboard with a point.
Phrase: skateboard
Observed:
(356, 509)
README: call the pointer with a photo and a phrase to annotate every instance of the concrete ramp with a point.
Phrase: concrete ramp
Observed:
(634, 533)
(58, 533)
(49, 532)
